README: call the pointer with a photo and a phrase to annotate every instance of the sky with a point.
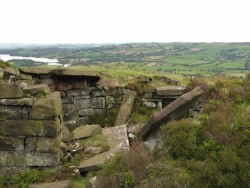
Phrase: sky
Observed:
(124, 21)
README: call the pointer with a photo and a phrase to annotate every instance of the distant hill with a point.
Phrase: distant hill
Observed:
(179, 58)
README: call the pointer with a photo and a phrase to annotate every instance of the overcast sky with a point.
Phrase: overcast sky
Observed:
(111, 21)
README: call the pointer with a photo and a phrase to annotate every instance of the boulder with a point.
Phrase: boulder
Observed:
(149, 104)
(10, 91)
(66, 135)
(126, 107)
(58, 184)
(8, 72)
(86, 131)
(49, 107)
(174, 110)
(71, 124)
(36, 89)
(92, 183)
(117, 140)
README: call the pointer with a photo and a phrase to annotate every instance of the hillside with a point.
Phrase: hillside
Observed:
(179, 59)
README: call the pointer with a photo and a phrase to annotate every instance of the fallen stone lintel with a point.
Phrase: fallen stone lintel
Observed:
(173, 111)
(58, 184)
(126, 107)
(118, 141)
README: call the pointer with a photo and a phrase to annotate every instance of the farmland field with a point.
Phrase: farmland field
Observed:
(177, 60)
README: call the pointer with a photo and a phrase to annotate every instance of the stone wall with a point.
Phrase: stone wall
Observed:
(30, 128)
(81, 96)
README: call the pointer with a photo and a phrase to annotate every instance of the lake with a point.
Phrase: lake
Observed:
(7, 57)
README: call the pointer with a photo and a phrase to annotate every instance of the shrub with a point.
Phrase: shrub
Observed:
(125, 169)
(180, 138)
(2, 181)
(26, 178)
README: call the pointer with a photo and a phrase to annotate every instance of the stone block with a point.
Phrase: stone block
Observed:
(90, 112)
(42, 159)
(98, 102)
(67, 100)
(11, 143)
(47, 108)
(24, 77)
(170, 90)
(80, 84)
(64, 86)
(110, 100)
(82, 121)
(52, 88)
(37, 89)
(147, 95)
(62, 93)
(98, 93)
(86, 131)
(13, 112)
(42, 144)
(68, 108)
(25, 82)
(77, 92)
(12, 158)
(148, 104)
(10, 91)
(47, 80)
(82, 103)
(17, 102)
(30, 128)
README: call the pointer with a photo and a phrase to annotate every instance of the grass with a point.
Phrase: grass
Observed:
(80, 183)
